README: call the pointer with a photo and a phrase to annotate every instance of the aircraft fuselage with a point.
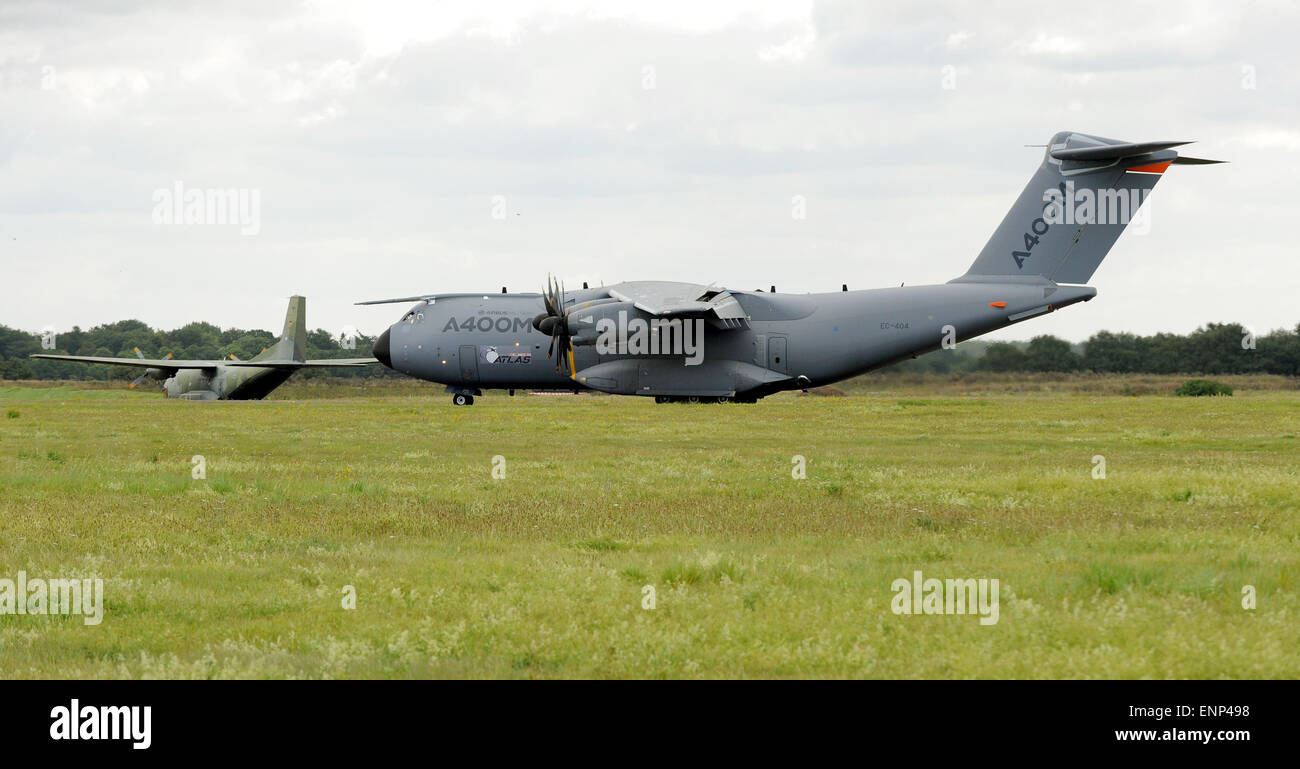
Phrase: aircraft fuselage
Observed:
(236, 383)
(787, 341)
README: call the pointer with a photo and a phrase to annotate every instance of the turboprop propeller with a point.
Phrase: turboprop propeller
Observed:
(555, 324)
(155, 374)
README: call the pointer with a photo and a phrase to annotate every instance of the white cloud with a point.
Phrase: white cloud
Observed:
(1048, 44)
(1267, 139)
(794, 49)
(958, 40)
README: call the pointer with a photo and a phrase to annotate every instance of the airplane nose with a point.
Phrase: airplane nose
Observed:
(381, 350)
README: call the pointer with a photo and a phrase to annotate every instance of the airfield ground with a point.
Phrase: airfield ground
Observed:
(388, 488)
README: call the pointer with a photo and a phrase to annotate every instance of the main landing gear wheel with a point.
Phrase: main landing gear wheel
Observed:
(461, 399)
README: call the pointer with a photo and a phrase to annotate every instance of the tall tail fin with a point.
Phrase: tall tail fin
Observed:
(292, 344)
(1084, 194)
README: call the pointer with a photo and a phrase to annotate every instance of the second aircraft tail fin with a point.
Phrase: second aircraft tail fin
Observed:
(292, 344)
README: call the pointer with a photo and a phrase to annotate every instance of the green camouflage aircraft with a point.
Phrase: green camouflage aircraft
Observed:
(210, 380)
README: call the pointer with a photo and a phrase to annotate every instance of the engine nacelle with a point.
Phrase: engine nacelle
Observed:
(587, 323)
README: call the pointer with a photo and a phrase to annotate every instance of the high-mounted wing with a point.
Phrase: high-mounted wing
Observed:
(665, 298)
(661, 297)
(161, 363)
(297, 364)
(327, 362)
(435, 297)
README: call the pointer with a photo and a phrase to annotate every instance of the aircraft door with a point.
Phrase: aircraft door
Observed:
(469, 363)
(776, 359)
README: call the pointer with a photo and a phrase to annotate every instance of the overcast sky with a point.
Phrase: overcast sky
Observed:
(398, 149)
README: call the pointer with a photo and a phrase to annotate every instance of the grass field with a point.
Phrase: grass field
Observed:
(756, 573)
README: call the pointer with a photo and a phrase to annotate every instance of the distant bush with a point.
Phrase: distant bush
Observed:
(1194, 387)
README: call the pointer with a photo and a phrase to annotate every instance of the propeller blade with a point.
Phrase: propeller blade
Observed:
(551, 307)
(555, 324)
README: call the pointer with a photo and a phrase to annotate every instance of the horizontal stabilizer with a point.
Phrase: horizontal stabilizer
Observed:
(1112, 151)
(1183, 160)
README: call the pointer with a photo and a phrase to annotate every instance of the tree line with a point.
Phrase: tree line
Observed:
(1217, 348)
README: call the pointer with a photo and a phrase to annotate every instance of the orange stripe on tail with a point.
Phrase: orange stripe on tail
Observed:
(1154, 168)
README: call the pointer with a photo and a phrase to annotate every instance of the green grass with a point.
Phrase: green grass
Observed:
(755, 573)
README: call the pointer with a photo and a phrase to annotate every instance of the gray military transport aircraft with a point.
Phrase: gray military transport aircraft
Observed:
(210, 380)
(688, 342)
